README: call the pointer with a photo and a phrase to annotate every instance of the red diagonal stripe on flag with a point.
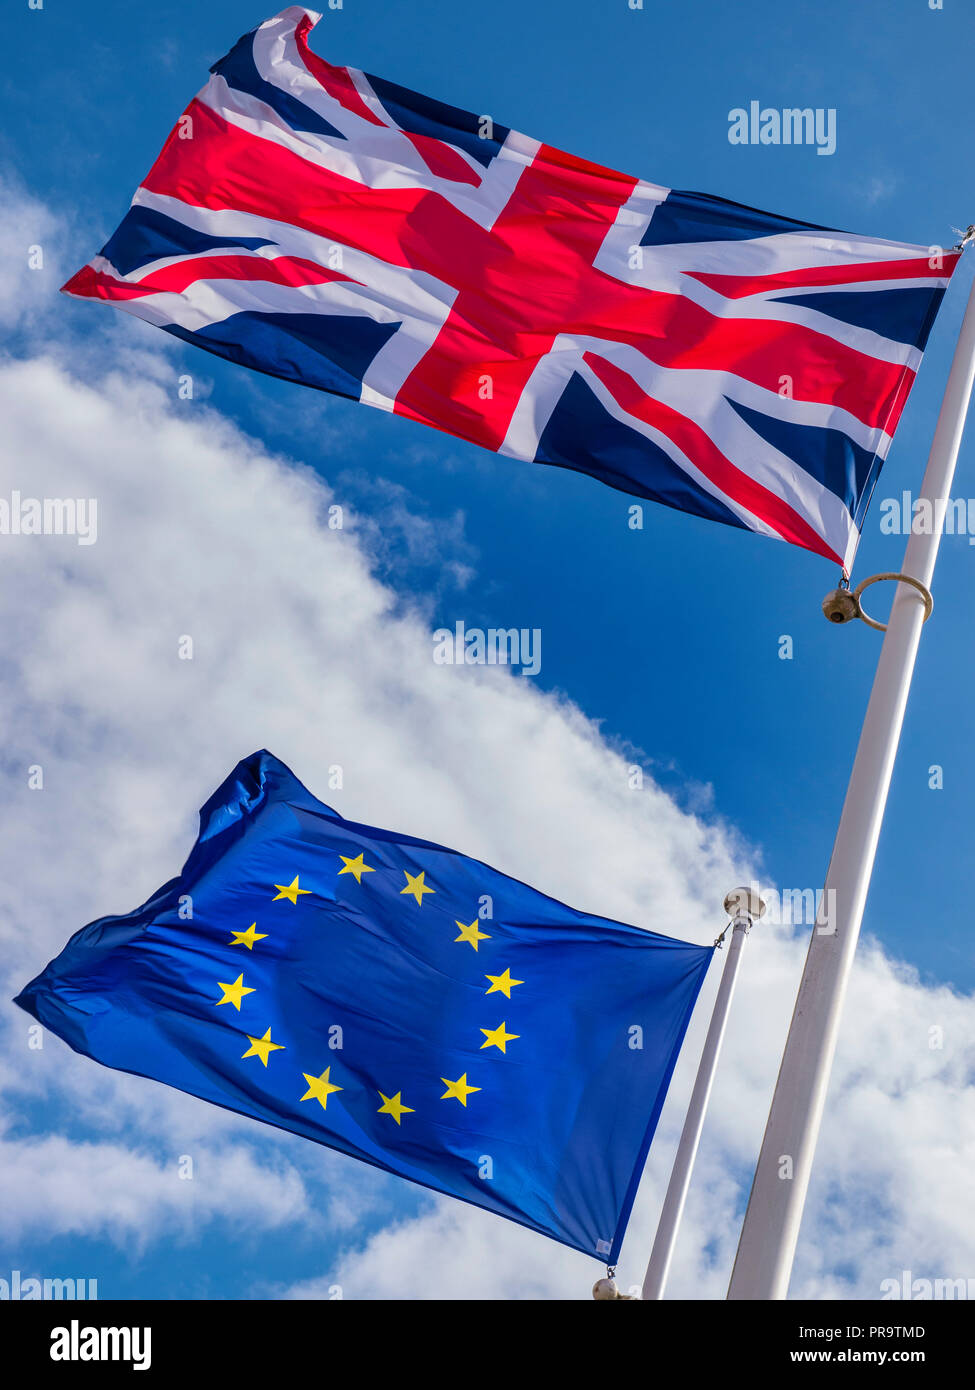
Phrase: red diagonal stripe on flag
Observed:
(737, 286)
(700, 448)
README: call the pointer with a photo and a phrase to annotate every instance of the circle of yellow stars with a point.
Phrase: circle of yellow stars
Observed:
(319, 1088)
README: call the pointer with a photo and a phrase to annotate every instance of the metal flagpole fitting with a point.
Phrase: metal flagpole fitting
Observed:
(743, 906)
(922, 589)
(842, 606)
(606, 1290)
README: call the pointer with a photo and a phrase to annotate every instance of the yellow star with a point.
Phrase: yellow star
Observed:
(233, 994)
(458, 1090)
(417, 887)
(319, 1087)
(261, 1047)
(497, 1037)
(504, 983)
(355, 866)
(471, 934)
(394, 1106)
(248, 937)
(290, 892)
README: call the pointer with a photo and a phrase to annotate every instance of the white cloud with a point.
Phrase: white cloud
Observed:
(103, 1189)
(299, 648)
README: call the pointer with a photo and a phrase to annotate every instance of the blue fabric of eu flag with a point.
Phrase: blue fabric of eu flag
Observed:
(393, 1000)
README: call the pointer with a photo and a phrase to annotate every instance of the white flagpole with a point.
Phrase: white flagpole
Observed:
(771, 1228)
(745, 905)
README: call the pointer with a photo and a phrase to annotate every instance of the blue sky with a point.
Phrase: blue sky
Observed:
(668, 636)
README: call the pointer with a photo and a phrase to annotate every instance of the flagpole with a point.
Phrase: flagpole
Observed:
(745, 905)
(771, 1227)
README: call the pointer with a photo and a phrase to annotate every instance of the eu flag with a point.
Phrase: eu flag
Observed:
(394, 1000)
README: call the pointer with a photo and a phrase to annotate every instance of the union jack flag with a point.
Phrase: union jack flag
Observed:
(335, 229)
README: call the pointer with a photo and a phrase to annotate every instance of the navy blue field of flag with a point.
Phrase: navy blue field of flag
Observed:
(394, 1000)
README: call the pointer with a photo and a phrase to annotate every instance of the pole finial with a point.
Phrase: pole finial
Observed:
(744, 902)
